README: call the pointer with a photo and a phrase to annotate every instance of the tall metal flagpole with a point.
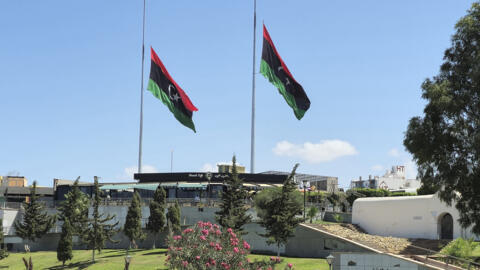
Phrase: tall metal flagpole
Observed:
(252, 148)
(141, 96)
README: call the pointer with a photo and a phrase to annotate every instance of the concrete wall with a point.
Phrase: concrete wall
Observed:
(408, 217)
(330, 216)
(360, 261)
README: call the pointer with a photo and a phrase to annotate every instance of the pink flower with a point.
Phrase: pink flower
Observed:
(290, 265)
(203, 237)
(272, 259)
(197, 258)
(229, 230)
(205, 232)
(207, 264)
(235, 249)
(212, 244)
(189, 230)
(218, 232)
(177, 237)
(246, 245)
(184, 263)
(269, 268)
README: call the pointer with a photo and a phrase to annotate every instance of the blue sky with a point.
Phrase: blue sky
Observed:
(70, 84)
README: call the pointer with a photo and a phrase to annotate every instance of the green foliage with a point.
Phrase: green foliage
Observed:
(36, 222)
(460, 248)
(3, 251)
(263, 198)
(316, 196)
(233, 211)
(75, 209)
(338, 218)
(156, 220)
(100, 227)
(312, 212)
(133, 221)
(215, 248)
(427, 189)
(445, 142)
(279, 216)
(65, 244)
(173, 217)
(355, 193)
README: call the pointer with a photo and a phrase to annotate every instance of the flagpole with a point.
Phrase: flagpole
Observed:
(141, 96)
(252, 146)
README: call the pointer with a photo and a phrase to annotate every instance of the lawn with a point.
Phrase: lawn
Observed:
(114, 259)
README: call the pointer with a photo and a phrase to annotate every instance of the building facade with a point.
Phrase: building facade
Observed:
(393, 180)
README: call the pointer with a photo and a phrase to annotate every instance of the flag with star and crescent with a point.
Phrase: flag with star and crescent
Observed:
(162, 86)
(274, 69)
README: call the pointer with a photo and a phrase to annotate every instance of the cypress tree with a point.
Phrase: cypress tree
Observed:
(100, 228)
(233, 211)
(75, 209)
(36, 222)
(64, 248)
(133, 221)
(156, 220)
(173, 217)
(3, 250)
(280, 213)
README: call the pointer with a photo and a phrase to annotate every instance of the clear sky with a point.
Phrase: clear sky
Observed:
(70, 84)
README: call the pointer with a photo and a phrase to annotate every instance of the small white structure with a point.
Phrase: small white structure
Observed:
(409, 217)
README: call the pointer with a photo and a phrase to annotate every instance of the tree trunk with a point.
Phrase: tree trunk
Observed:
(93, 254)
(154, 237)
(278, 250)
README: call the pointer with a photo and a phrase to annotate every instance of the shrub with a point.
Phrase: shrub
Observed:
(207, 246)
(460, 248)
(338, 218)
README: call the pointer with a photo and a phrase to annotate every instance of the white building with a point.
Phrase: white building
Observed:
(393, 180)
(409, 217)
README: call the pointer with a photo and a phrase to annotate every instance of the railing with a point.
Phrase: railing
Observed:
(434, 258)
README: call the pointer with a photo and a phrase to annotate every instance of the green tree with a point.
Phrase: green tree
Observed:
(312, 212)
(133, 222)
(101, 227)
(279, 215)
(3, 250)
(65, 244)
(36, 221)
(173, 217)
(233, 211)
(75, 209)
(156, 220)
(445, 142)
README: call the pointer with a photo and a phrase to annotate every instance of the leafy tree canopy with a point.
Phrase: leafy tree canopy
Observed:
(445, 142)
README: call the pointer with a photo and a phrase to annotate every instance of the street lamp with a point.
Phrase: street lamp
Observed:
(330, 259)
(209, 192)
(128, 259)
(304, 199)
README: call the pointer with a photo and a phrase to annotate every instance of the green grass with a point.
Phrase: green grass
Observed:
(114, 259)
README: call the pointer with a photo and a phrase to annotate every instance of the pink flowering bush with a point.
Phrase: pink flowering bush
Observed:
(207, 246)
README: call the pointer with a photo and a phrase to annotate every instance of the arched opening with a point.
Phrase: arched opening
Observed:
(446, 226)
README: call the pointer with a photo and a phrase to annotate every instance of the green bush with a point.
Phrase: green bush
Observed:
(461, 248)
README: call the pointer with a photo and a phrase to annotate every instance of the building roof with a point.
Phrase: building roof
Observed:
(152, 186)
(26, 191)
(202, 177)
(301, 176)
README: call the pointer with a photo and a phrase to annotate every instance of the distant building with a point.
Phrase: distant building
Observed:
(227, 168)
(393, 180)
(13, 181)
(324, 183)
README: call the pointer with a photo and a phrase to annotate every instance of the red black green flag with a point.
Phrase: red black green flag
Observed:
(162, 86)
(274, 69)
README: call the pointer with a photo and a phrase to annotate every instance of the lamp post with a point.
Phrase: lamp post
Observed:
(209, 193)
(330, 259)
(304, 199)
(128, 259)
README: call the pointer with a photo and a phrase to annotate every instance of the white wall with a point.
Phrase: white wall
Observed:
(408, 217)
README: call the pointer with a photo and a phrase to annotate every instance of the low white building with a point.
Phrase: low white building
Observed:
(409, 217)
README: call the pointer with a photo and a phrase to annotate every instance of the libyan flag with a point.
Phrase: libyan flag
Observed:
(275, 70)
(162, 86)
